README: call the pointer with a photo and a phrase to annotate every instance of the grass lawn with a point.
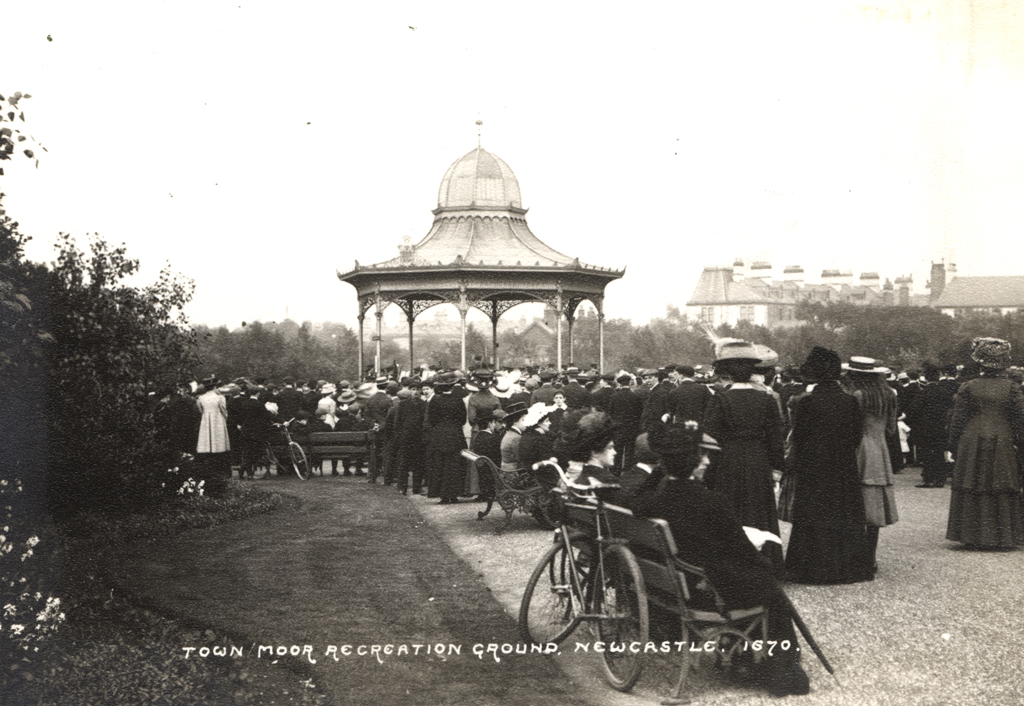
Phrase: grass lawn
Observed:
(112, 650)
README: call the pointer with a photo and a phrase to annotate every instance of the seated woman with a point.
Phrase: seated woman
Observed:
(708, 534)
(537, 444)
(587, 438)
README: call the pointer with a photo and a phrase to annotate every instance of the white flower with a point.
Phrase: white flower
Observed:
(9, 610)
(17, 629)
(32, 541)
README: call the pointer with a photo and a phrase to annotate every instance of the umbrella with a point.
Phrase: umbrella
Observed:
(806, 632)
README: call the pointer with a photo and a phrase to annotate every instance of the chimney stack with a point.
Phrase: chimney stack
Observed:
(793, 273)
(938, 280)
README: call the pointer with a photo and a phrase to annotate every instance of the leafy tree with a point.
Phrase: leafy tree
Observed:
(114, 344)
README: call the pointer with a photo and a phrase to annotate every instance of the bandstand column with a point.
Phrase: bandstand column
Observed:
(558, 329)
(463, 310)
(412, 357)
(362, 318)
(494, 337)
(600, 340)
(570, 320)
(380, 315)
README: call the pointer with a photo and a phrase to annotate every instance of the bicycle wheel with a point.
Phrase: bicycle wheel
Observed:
(299, 462)
(621, 601)
(546, 613)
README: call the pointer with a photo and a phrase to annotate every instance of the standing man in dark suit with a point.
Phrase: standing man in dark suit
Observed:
(648, 379)
(576, 397)
(656, 405)
(928, 416)
(409, 438)
(289, 401)
(602, 392)
(546, 392)
(625, 409)
(689, 399)
(377, 407)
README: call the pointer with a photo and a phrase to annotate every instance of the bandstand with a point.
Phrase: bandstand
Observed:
(479, 253)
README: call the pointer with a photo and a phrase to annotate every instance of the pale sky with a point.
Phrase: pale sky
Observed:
(259, 147)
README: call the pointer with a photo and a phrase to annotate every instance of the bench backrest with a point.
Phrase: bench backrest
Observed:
(651, 541)
(510, 480)
(340, 441)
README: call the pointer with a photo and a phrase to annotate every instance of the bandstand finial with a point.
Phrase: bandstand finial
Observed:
(479, 129)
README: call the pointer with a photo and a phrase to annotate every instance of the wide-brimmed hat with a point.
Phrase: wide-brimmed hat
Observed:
(347, 396)
(991, 352)
(445, 380)
(366, 390)
(738, 350)
(863, 364)
(514, 411)
(483, 373)
(328, 389)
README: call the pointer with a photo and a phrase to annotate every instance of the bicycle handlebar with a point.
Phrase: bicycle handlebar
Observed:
(593, 485)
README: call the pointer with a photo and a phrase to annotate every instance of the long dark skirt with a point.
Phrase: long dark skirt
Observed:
(826, 554)
(446, 474)
(986, 519)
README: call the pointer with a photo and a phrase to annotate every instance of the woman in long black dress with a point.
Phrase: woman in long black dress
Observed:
(828, 509)
(746, 422)
(985, 434)
(442, 426)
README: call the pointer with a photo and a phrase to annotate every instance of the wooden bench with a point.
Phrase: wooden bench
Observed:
(685, 590)
(324, 445)
(516, 490)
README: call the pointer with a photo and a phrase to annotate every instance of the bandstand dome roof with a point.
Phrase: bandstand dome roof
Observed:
(479, 224)
(479, 178)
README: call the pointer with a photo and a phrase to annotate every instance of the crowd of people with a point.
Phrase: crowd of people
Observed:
(740, 443)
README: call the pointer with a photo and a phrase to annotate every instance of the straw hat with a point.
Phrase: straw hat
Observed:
(737, 350)
(863, 364)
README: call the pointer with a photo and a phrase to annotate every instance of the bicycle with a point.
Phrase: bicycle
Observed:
(588, 576)
(296, 459)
